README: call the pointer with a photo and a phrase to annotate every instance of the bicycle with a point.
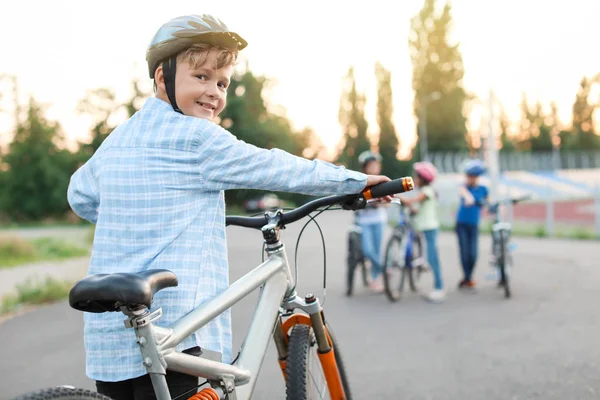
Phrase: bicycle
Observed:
(403, 258)
(501, 235)
(296, 324)
(355, 257)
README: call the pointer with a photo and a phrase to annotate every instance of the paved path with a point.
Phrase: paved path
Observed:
(542, 344)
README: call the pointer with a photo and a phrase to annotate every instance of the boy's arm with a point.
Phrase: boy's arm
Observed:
(228, 163)
(467, 196)
(83, 193)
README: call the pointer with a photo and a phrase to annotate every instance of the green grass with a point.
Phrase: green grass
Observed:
(48, 223)
(16, 251)
(32, 293)
(535, 230)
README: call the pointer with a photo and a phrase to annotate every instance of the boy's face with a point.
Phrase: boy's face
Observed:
(200, 92)
(471, 180)
(373, 168)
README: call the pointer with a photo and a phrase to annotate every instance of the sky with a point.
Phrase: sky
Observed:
(61, 49)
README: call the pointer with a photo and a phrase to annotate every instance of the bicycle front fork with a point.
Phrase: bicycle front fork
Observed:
(311, 305)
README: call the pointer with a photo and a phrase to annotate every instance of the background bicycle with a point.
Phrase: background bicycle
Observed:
(356, 262)
(502, 250)
(403, 257)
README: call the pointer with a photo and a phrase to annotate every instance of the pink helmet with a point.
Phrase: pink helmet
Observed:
(425, 170)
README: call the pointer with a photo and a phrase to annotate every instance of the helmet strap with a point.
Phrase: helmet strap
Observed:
(169, 68)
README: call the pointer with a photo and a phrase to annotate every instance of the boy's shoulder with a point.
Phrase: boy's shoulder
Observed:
(157, 125)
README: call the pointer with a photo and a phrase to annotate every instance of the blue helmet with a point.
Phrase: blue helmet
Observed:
(474, 167)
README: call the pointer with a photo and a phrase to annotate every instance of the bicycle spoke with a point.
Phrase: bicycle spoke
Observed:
(313, 359)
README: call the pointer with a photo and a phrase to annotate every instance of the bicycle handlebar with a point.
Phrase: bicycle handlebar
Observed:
(347, 201)
(512, 200)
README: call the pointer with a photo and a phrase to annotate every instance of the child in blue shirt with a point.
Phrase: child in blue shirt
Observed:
(472, 198)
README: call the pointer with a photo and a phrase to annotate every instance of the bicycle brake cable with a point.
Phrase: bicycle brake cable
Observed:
(313, 219)
(190, 390)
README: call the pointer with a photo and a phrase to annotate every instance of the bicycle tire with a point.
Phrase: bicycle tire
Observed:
(390, 263)
(360, 257)
(351, 263)
(418, 246)
(504, 279)
(62, 393)
(364, 272)
(297, 366)
(355, 259)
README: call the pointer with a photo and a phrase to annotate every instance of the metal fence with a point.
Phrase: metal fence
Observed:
(564, 189)
(450, 162)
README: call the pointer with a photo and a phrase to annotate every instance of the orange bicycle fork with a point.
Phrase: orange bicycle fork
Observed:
(326, 354)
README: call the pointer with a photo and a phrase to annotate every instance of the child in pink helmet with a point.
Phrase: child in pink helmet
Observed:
(424, 206)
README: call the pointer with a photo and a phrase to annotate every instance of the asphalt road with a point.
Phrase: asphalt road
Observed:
(544, 343)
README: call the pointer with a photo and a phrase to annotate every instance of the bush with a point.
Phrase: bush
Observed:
(31, 292)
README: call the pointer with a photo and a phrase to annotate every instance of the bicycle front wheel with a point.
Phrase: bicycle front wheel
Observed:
(305, 375)
(394, 273)
(63, 393)
(416, 254)
(504, 278)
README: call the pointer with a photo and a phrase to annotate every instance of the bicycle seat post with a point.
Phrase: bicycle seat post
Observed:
(140, 319)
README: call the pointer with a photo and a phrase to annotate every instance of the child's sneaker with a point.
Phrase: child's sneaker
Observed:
(436, 296)
(467, 286)
(470, 286)
(376, 286)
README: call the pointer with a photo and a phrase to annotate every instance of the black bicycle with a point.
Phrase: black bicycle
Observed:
(355, 258)
(501, 235)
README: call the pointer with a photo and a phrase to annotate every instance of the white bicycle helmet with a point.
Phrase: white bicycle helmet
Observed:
(368, 155)
(181, 33)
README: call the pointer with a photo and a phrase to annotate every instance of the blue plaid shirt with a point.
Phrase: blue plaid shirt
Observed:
(154, 189)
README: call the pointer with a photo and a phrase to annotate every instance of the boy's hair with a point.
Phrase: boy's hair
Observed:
(197, 54)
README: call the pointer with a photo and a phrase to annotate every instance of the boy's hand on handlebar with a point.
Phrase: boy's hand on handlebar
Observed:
(373, 180)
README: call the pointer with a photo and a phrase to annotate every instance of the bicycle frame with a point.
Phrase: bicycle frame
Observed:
(402, 228)
(157, 344)
(499, 226)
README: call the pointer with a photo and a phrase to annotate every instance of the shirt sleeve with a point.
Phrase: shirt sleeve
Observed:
(228, 163)
(428, 191)
(82, 193)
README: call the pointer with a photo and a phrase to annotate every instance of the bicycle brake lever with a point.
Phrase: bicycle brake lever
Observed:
(355, 204)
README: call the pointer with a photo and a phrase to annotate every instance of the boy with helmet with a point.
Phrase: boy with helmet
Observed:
(472, 198)
(372, 221)
(426, 220)
(155, 187)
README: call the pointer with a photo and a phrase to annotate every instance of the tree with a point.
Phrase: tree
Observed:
(507, 143)
(37, 176)
(103, 106)
(542, 137)
(354, 124)
(388, 139)
(438, 68)
(526, 125)
(585, 137)
(247, 116)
